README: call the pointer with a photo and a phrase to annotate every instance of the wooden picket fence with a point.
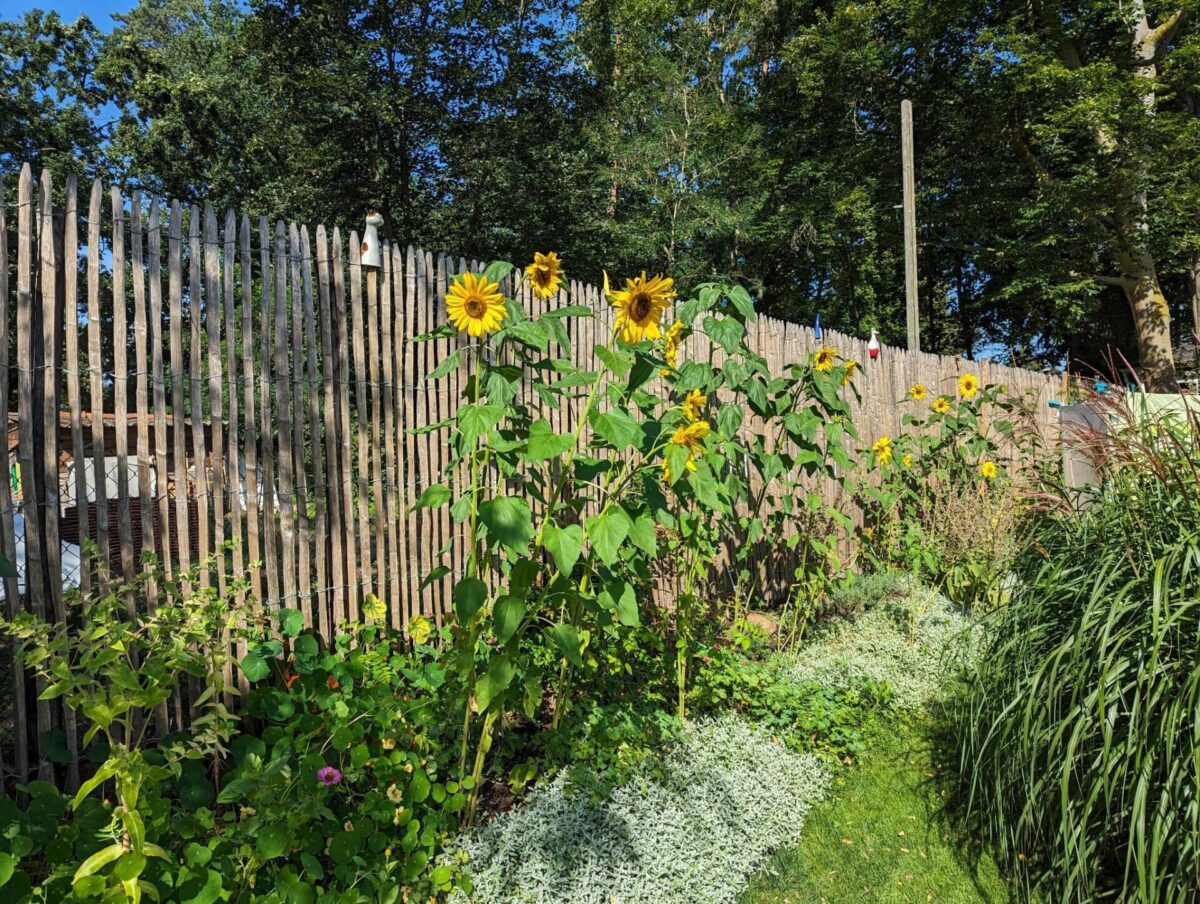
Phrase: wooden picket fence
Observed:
(258, 385)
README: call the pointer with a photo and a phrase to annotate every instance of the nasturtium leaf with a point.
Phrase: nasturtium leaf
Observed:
(475, 421)
(618, 428)
(509, 520)
(507, 614)
(491, 685)
(469, 596)
(545, 443)
(291, 622)
(271, 841)
(607, 532)
(433, 496)
(564, 544)
(567, 641)
(255, 667)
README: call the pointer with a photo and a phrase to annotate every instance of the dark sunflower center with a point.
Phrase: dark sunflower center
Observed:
(475, 307)
(641, 305)
(542, 276)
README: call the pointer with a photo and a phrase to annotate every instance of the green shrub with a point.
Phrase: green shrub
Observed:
(1078, 729)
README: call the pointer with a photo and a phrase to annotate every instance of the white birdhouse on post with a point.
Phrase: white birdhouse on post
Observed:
(370, 241)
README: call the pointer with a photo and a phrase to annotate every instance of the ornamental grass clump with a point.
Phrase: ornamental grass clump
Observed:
(1077, 729)
(726, 796)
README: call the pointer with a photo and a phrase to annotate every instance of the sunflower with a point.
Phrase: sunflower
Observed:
(917, 392)
(824, 359)
(640, 306)
(988, 470)
(692, 437)
(883, 450)
(941, 405)
(968, 386)
(475, 305)
(848, 375)
(671, 347)
(545, 274)
(907, 460)
(693, 405)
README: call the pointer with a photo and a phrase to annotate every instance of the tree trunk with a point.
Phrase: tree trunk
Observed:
(1152, 319)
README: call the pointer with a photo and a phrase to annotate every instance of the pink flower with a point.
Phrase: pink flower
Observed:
(329, 775)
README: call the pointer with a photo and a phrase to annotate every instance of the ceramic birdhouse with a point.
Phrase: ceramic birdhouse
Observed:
(873, 346)
(370, 241)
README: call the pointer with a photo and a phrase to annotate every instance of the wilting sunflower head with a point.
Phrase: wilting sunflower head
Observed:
(640, 306)
(694, 404)
(691, 436)
(418, 629)
(917, 392)
(988, 470)
(545, 274)
(848, 375)
(671, 346)
(824, 359)
(883, 450)
(474, 305)
(941, 405)
(968, 386)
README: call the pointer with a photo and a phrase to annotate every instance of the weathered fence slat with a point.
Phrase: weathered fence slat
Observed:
(199, 469)
(120, 381)
(267, 446)
(281, 426)
(300, 381)
(178, 419)
(96, 379)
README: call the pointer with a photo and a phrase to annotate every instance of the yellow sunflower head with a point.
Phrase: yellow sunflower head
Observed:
(988, 470)
(883, 450)
(545, 274)
(907, 460)
(848, 374)
(941, 405)
(824, 358)
(968, 386)
(694, 404)
(475, 305)
(640, 306)
(691, 436)
(917, 392)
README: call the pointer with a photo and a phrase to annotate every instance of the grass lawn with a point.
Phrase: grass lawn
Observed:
(879, 838)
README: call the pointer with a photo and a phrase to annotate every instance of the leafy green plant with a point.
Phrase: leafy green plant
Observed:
(116, 673)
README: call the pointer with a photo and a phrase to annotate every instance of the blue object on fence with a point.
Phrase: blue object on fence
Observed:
(1101, 387)
(817, 326)
(1055, 403)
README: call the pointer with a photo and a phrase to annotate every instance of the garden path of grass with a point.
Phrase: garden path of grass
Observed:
(879, 838)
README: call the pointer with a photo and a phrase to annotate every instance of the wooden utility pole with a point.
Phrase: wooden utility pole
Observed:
(910, 226)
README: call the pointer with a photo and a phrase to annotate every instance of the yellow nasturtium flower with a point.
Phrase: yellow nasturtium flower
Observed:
(640, 306)
(824, 359)
(693, 405)
(941, 405)
(545, 274)
(691, 436)
(968, 386)
(883, 450)
(474, 305)
(917, 392)
(988, 470)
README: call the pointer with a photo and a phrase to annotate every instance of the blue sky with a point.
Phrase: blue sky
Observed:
(99, 11)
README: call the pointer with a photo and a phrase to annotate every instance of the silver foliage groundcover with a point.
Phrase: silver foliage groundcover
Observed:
(731, 795)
